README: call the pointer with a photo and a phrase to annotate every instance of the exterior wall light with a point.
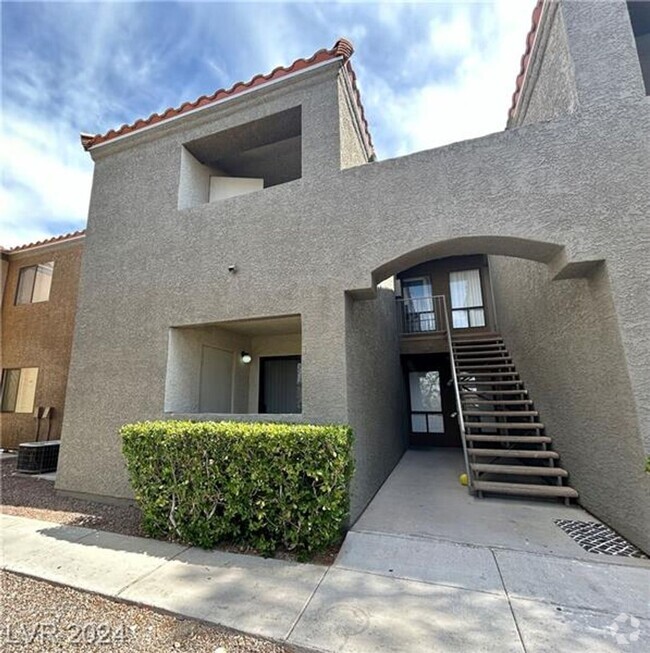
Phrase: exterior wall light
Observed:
(246, 357)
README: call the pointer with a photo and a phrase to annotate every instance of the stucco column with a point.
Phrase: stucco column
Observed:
(323, 349)
(605, 61)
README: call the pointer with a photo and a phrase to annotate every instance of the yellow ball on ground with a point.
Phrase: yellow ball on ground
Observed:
(463, 479)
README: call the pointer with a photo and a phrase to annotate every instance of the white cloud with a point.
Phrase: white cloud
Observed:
(471, 101)
(46, 180)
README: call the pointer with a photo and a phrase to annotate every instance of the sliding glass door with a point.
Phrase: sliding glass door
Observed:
(419, 311)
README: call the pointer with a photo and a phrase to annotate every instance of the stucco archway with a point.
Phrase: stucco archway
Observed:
(559, 319)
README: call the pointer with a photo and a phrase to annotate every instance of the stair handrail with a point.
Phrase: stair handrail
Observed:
(459, 406)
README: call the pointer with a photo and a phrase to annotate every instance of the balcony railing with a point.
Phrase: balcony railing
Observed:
(421, 315)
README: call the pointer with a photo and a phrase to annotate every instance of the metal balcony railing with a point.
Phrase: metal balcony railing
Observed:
(421, 315)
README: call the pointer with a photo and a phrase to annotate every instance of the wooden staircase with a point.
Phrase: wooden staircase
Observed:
(508, 449)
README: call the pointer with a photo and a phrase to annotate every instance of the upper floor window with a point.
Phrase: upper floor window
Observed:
(34, 283)
(18, 390)
(466, 299)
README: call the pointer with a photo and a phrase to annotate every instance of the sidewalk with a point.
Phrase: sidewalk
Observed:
(404, 594)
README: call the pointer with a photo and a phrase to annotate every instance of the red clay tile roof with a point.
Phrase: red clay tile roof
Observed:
(47, 241)
(525, 59)
(342, 49)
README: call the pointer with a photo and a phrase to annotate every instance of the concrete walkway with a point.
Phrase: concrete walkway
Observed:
(387, 591)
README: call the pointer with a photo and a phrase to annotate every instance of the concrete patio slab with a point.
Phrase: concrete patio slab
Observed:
(91, 560)
(546, 628)
(8, 520)
(422, 497)
(576, 583)
(363, 613)
(263, 597)
(432, 561)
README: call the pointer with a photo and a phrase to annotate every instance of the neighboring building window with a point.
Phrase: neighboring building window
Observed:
(466, 299)
(34, 283)
(18, 390)
(280, 384)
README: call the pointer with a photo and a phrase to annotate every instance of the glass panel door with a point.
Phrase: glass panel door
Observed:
(280, 384)
(420, 315)
(426, 403)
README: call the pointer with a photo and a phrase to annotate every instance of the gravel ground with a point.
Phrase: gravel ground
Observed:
(26, 496)
(38, 616)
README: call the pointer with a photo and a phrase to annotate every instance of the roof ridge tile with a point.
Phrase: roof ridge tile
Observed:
(46, 241)
(341, 49)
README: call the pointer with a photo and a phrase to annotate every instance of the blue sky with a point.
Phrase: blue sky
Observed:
(430, 73)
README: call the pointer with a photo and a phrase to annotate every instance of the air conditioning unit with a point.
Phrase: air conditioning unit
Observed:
(38, 457)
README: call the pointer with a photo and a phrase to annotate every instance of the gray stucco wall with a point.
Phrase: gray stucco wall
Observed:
(643, 50)
(353, 152)
(584, 58)
(566, 192)
(565, 341)
(375, 392)
(550, 89)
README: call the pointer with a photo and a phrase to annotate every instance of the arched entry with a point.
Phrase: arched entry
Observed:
(561, 335)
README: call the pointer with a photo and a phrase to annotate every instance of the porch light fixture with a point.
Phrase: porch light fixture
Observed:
(246, 357)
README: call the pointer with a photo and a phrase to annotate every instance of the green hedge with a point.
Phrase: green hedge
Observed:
(257, 484)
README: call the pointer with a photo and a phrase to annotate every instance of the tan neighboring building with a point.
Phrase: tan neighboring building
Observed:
(39, 298)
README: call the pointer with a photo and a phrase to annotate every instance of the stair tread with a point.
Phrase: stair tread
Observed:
(503, 413)
(501, 402)
(482, 368)
(524, 439)
(523, 470)
(474, 393)
(501, 353)
(480, 346)
(526, 489)
(513, 453)
(494, 374)
(537, 426)
(486, 359)
(494, 382)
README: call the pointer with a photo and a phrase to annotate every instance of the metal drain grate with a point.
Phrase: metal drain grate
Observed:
(598, 538)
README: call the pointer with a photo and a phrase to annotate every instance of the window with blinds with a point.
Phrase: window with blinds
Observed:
(280, 384)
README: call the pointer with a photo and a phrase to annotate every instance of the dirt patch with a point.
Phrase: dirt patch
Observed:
(27, 496)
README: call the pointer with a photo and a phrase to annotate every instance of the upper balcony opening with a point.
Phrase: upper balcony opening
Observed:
(241, 160)
(640, 17)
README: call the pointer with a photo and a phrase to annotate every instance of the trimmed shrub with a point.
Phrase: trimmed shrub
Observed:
(264, 485)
